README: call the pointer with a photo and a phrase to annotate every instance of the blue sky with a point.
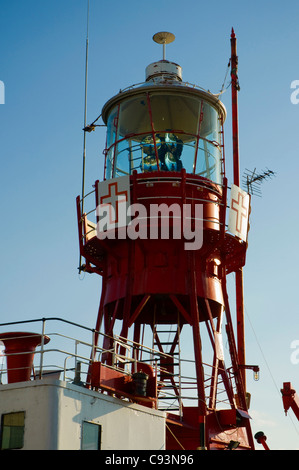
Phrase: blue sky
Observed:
(42, 64)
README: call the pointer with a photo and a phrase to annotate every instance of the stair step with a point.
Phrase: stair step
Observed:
(165, 386)
(170, 364)
(169, 409)
(164, 344)
(168, 398)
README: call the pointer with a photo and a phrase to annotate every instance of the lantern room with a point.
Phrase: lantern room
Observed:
(164, 124)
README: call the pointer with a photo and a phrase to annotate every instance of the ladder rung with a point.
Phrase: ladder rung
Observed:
(168, 398)
(166, 354)
(166, 331)
(169, 409)
(166, 386)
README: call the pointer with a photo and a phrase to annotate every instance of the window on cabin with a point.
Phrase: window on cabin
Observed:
(12, 430)
(91, 436)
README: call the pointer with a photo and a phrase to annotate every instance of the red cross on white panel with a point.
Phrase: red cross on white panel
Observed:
(239, 212)
(112, 200)
(112, 204)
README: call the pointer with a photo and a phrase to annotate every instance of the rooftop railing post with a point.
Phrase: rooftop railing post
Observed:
(42, 348)
(93, 355)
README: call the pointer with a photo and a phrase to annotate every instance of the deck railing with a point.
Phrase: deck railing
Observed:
(68, 358)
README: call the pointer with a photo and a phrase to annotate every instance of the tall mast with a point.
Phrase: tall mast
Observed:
(236, 170)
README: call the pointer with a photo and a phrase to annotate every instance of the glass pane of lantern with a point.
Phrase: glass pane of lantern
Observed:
(186, 135)
(133, 126)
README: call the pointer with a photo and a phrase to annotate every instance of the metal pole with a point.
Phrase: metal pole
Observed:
(42, 348)
(85, 113)
(198, 356)
(93, 350)
(235, 88)
(261, 439)
(239, 273)
(240, 322)
(85, 110)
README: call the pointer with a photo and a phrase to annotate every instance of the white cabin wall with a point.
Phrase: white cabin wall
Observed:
(55, 411)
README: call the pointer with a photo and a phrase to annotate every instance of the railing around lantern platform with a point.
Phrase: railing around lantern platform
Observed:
(87, 220)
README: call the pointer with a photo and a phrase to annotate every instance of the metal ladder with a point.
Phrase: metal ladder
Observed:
(167, 341)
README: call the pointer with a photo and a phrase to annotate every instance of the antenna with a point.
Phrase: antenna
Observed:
(164, 38)
(252, 180)
(85, 112)
(85, 108)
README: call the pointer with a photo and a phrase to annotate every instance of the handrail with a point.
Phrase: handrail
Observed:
(63, 320)
(185, 384)
(84, 236)
(181, 83)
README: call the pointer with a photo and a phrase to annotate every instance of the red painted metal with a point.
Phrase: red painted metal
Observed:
(235, 88)
(157, 282)
(261, 439)
(235, 134)
(290, 399)
(121, 384)
(153, 130)
(115, 123)
(19, 351)
(143, 276)
(198, 137)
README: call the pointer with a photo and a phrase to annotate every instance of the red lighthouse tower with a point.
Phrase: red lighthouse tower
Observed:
(163, 248)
